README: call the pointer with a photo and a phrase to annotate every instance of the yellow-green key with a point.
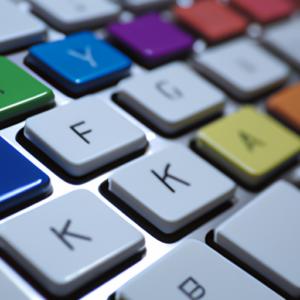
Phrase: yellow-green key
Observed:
(21, 95)
(250, 145)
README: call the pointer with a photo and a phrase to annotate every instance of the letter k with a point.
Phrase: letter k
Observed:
(87, 56)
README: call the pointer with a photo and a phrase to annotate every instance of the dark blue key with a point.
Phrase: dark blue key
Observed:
(20, 180)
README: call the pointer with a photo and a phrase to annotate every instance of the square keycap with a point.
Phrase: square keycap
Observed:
(285, 105)
(20, 180)
(17, 28)
(213, 20)
(243, 68)
(80, 62)
(264, 235)
(265, 11)
(69, 241)
(151, 39)
(250, 145)
(172, 187)
(73, 15)
(171, 104)
(284, 39)
(20, 93)
(84, 135)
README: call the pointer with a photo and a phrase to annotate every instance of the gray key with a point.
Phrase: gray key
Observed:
(70, 15)
(18, 29)
(172, 187)
(284, 38)
(9, 290)
(264, 235)
(84, 135)
(69, 241)
(193, 271)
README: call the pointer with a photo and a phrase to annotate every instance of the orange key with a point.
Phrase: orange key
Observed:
(265, 11)
(211, 19)
(286, 105)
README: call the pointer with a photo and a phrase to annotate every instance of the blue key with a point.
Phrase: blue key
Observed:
(20, 180)
(80, 62)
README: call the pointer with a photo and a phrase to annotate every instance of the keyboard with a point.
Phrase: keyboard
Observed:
(149, 149)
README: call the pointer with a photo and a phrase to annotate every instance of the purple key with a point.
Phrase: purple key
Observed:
(152, 40)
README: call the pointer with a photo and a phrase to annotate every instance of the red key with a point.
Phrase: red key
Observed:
(211, 19)
(265, 11)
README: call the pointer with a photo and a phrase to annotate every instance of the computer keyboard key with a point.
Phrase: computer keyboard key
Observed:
(10, 290)
(250, 145)
(284, 39)
(176, 97)
(264, 235)
(20, 180)
(69, 241)
(211, 19)
(265, 11)
(17, 28)
(285, 105)
(151, 40)
(71, 15)
(243, 68)
(193, 271)
(84, 135)
(21, 94)
(76, 63)
(171, 188)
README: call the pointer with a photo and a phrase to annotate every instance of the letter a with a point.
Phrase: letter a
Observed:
(250, 141)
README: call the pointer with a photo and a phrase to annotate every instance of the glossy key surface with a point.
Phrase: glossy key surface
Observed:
(84, 136)
(249, 144)
(29, 96)
(20, 180)
(213, 20)
(170, 103)
(152, 39)
(265, 11)
(171, 188)
(80, 62)
(70, 241)
(264, 235)
(193, 271)
(243, 68)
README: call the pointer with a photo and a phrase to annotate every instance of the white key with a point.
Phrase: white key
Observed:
(264, 235)
(84, 135)
(171, 188)
(284, 38)
(70, 15)
(193, 271)
(172, 97)
(137, 5)
(9, 290)
(17, 28)
(69, 241)
(243, 67)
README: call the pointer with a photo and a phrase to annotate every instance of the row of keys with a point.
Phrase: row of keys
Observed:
(208, 18)
(155, 181)
(262, 235)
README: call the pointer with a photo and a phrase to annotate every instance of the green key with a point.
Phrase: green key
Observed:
(21, 95)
